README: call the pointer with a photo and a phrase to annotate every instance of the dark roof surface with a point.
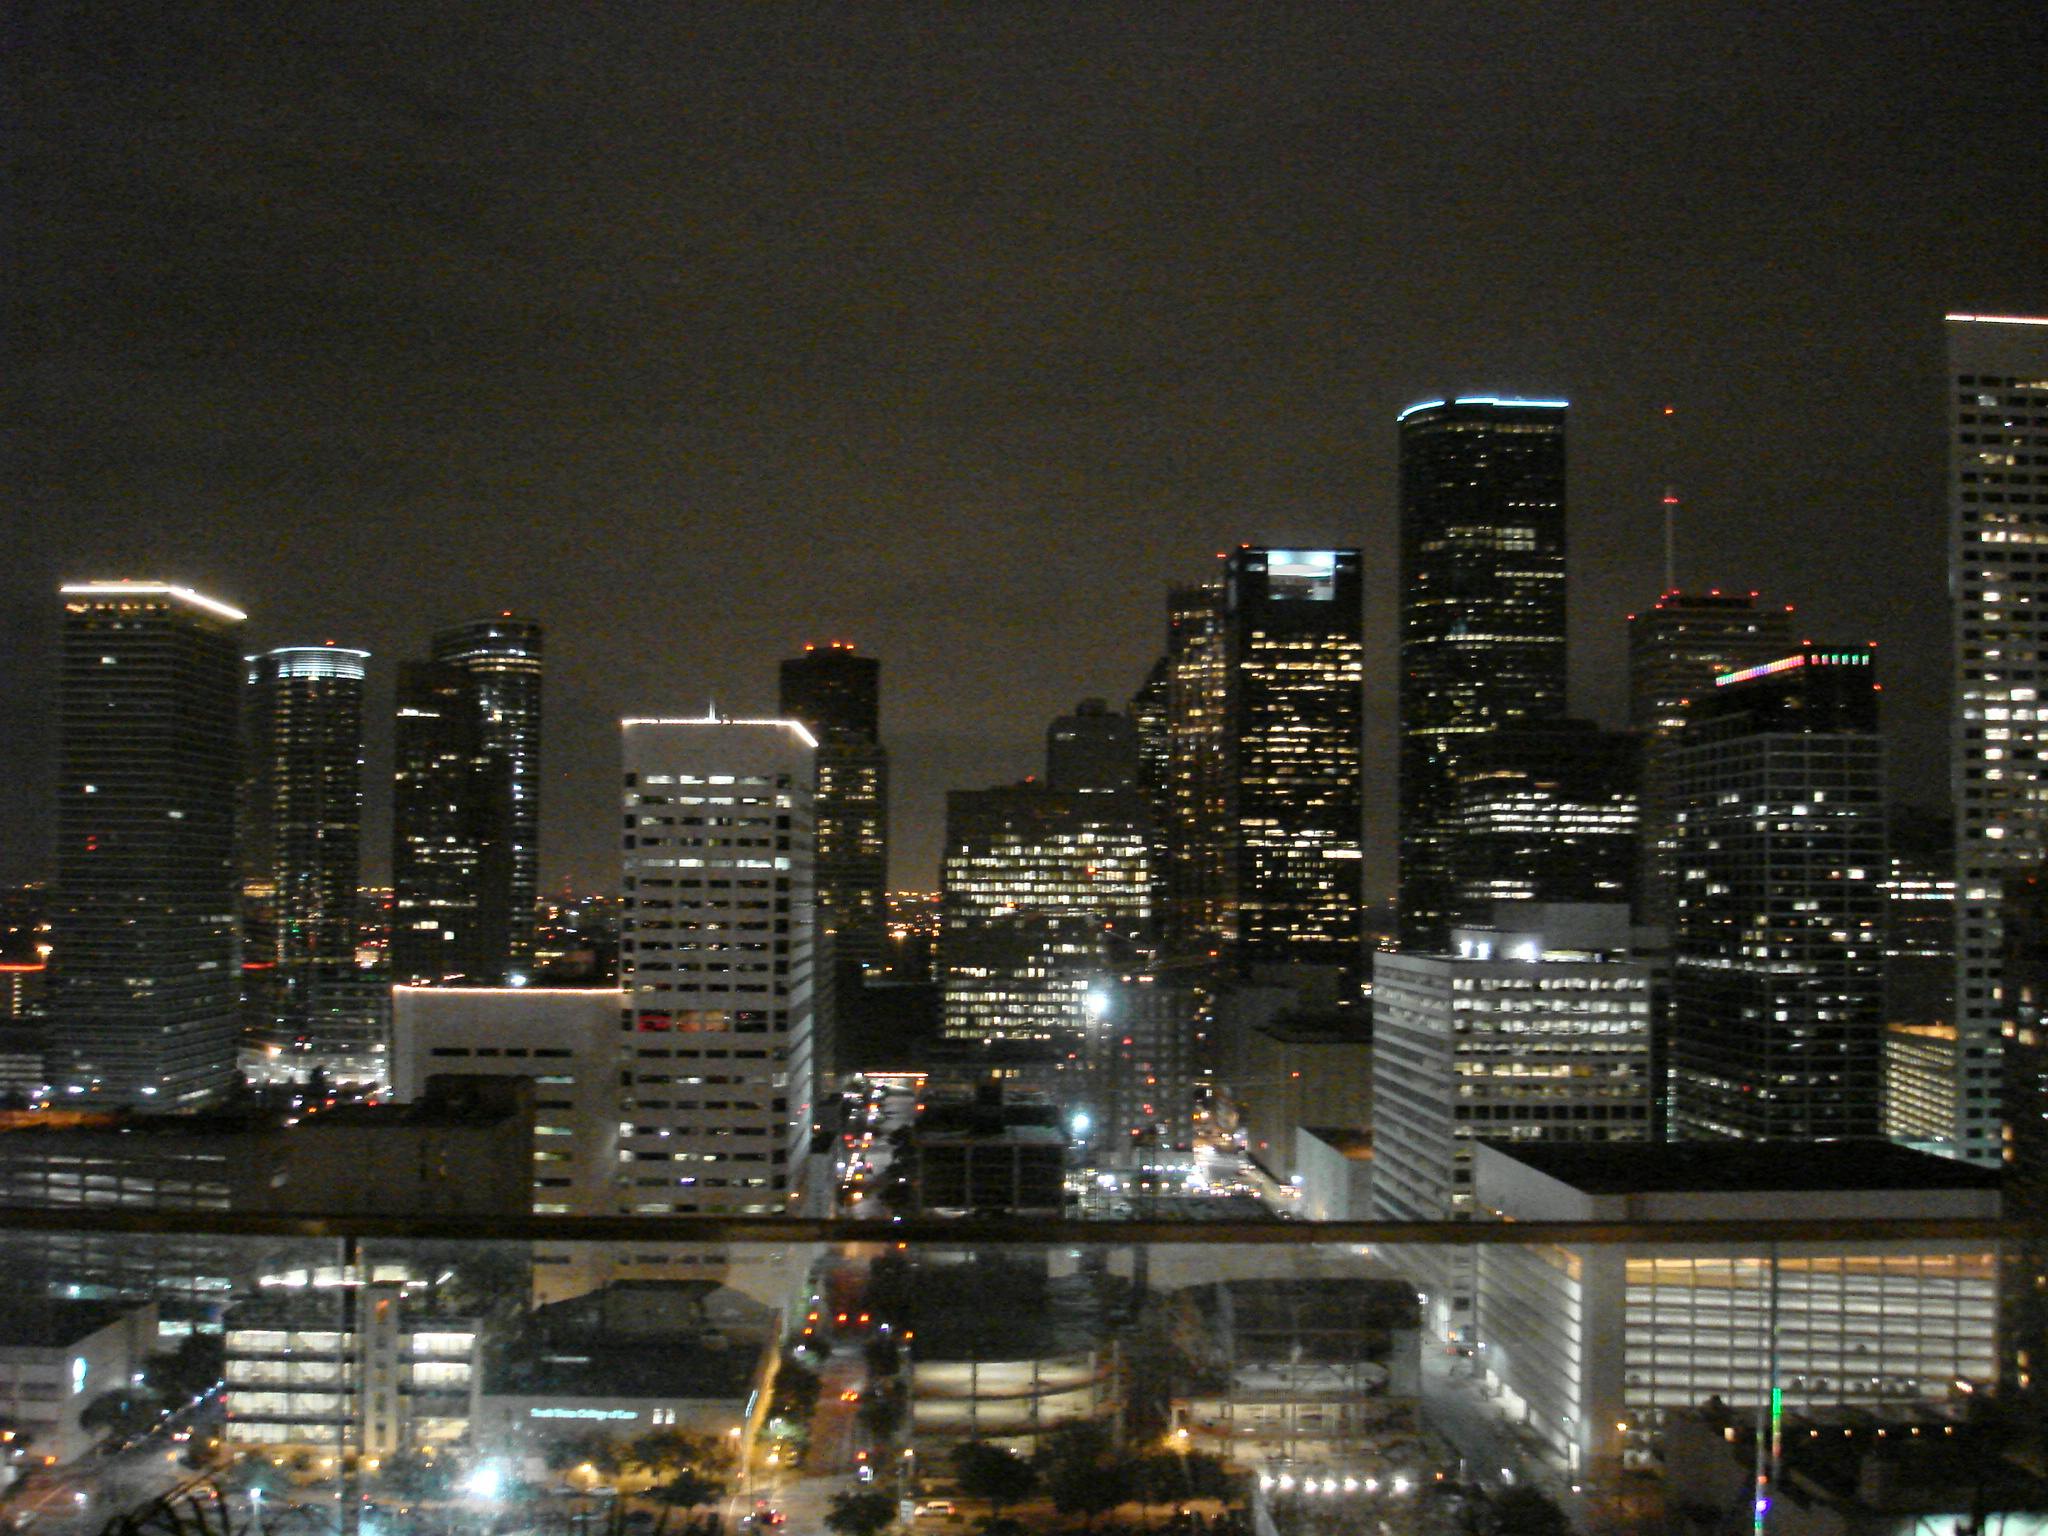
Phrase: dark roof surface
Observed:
(36, 1324)
(1641, 1168)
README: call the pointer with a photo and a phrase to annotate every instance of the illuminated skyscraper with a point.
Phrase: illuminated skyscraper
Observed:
(837, 695)
(301, 861)
(1777, 994)
(502, 656)
(1676, 648)
(1045, 893)
(1265, 775)
(1998, 519)
(1545, 813)
(1482, 613)
(716, 1085)
(146, 969)
(1197, 837)
(451, 878)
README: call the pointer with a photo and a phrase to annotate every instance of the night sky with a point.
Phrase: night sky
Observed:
(961, 331)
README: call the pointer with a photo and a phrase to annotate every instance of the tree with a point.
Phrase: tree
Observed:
(191, 1370)
(1083, 1473)
(865, 1513)
(605, 1456)
(884, 1411)
(121, 1413)
(690, 1488)
(668, 1452)
(1527, 1511)
(992, 1473)
(796, 1390)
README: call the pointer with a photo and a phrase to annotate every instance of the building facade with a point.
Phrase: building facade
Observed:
(1255, 717)
(1777, 996)
(146, 964)
(1998, 510)
(1676, 648)
(1045, 894)
(502, 659)
(1590, 1347)
(1545, 813)
(301, 836)
(1482, 614)
(837, 695)
(451, 834)
(716, 1094)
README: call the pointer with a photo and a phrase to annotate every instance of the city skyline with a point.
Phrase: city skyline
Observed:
(1008, 326)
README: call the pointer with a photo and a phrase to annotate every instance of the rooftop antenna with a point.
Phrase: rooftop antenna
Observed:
(1670, 521)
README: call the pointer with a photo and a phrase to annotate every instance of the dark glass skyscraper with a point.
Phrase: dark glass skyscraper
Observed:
(502, 656)
(301, 860)
(1093, 750)
(146, 968)
(1545, 813)
(451, 878)
(837, 694)
(1676, 648)
(1482, 613)
(1777, 994)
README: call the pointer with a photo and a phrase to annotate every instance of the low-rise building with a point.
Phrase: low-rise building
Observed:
(366, 1362)
(56, 1357)
(1304, 1068)
(1593, 1346)
(1322, 1370)
(565, 1041)
(1537, 1028)
(1334, 1166)
(636, 1356)
(991, 1152)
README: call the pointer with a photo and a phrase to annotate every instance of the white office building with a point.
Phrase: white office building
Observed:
(566, 1040)
(1535, 1029)
(1592, 1346)
(1998, 515)
(715, 1092)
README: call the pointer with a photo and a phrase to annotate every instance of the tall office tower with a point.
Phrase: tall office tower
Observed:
(502, 656)
(1482, 613)
(716, 1093)
(301, 861)
(1535, 1028)
(837, 695)
(146, 968)
(1545, 813)
(1260, 768)
(1676, 648)
(1777, 992)
(451, 842)
(1294, 770)
(1045, 893)
(1998, 512)
(1151, 716)
(1092, 751)
(1197, 668)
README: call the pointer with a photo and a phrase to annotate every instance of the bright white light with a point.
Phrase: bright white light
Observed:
(1098, 1003)
(1401, 1485)
(516, 978)
(1286, 1482)
(1080, 1122)
(150, 589)
(484, 1482)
